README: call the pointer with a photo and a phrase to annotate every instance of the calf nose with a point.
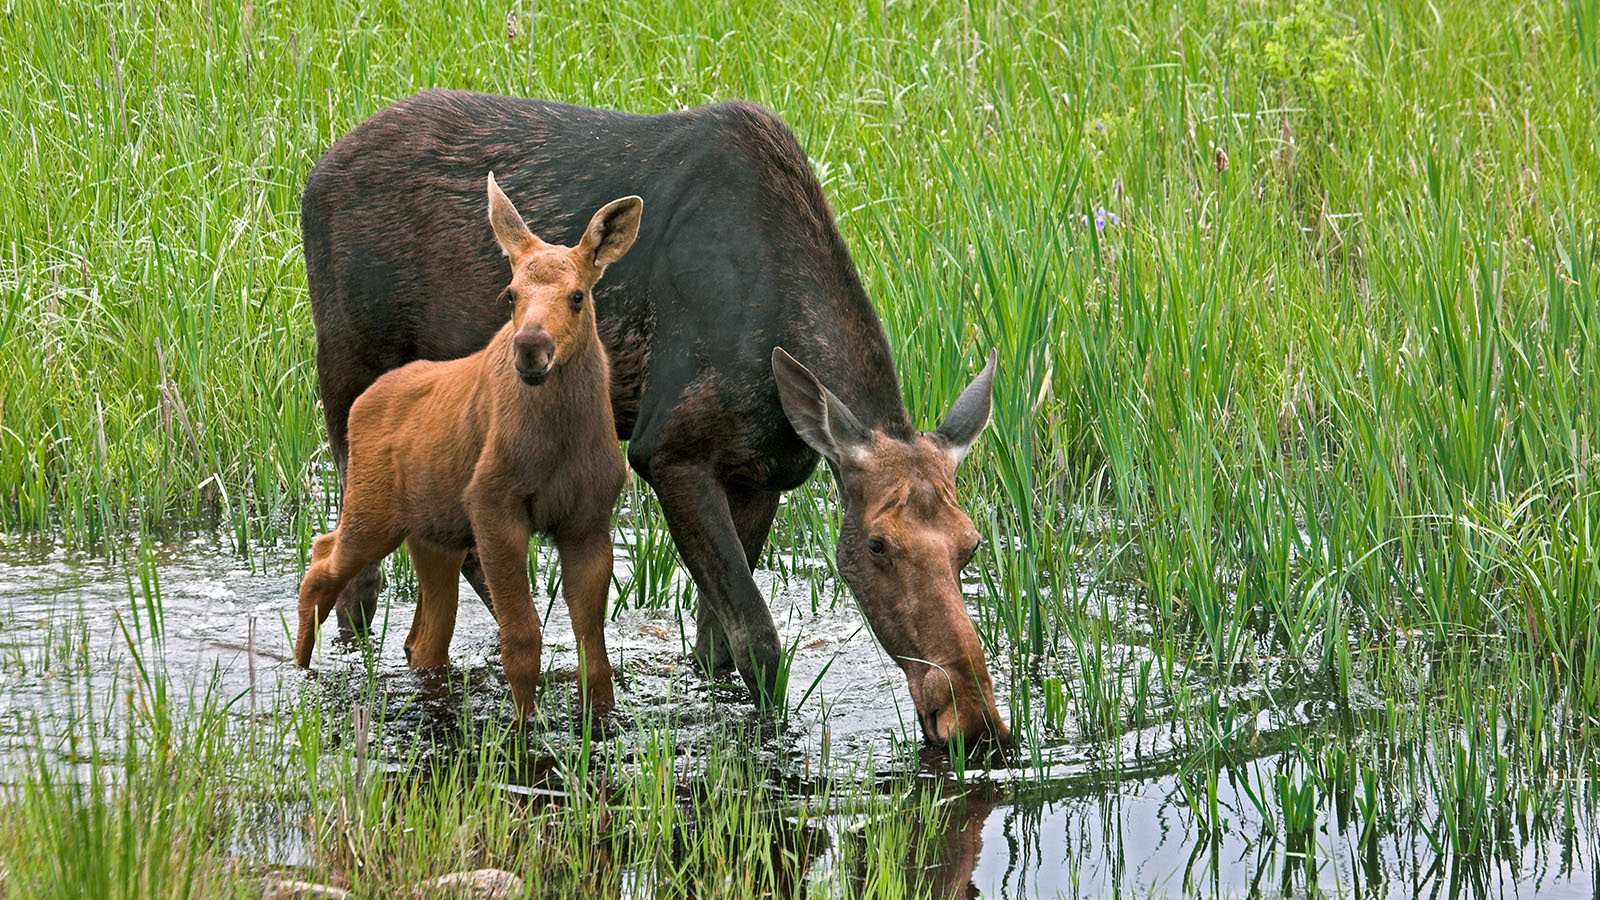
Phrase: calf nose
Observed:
(533, 353)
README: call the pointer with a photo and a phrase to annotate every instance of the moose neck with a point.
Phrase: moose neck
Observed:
(847, 350)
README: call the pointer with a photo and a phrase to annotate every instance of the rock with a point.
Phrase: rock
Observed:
(482, 884)
(283, 889)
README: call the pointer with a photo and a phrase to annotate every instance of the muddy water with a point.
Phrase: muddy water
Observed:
(1069, 817)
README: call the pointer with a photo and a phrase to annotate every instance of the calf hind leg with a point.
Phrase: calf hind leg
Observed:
(438, 581)
(342, 383)
(336, 558)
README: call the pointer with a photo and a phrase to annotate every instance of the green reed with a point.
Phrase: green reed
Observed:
(1295, 307)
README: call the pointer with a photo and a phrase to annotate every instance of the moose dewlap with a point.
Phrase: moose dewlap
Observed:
(485, 451)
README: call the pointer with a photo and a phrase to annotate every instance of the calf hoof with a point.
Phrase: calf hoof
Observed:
(304, 643)
(524, 693)
(523, 709)
(598, 697)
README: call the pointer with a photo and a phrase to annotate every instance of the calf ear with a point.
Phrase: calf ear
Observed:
(960, 429)
(821, 419)
(611, 231)
(509, 229)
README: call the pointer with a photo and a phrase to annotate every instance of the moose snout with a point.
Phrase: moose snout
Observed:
(959, 700)
(533, 353)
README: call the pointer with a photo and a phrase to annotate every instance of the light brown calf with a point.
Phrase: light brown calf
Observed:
(490, 449)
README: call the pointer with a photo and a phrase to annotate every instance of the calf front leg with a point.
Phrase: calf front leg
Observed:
(502, 541)
(438, 573)
(586, 561)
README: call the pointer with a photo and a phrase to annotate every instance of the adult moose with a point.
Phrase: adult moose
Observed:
(742, 346)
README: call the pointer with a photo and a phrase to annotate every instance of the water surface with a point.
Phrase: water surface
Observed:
(1071, 816)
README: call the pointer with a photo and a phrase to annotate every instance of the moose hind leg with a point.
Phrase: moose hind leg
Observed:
(358, 602)
(472, 571)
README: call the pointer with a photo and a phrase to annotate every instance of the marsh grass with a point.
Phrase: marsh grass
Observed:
(1295, 305)
(198, 800)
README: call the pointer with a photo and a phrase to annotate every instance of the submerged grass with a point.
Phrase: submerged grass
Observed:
(1295, 305)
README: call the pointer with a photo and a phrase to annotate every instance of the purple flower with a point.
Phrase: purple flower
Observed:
(1102, 218)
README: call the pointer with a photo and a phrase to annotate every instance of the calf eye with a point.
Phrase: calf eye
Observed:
(576, 300)
(876, 546)
(506, 298)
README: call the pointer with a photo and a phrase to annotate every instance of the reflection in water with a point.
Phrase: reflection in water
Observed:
(957, 845)
(1141, 838)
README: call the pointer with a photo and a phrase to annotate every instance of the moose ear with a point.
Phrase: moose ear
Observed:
(612, 230)
(821, 419)
(509, 229)
(960, 429)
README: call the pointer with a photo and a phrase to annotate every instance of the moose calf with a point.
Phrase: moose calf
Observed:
(487, 450)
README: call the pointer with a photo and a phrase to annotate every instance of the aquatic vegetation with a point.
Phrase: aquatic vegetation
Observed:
(1290, 496)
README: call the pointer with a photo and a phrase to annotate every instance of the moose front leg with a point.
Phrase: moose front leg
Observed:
(752, 512)
(586, 562)
(702, 527)
(503, 550)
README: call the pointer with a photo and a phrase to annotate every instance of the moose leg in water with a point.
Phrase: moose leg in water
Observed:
(753, 512)
(701, 523)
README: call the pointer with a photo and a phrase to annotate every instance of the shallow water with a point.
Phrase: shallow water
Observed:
(1072, 816)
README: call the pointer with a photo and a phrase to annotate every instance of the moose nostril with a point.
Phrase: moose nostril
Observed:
(532, 343)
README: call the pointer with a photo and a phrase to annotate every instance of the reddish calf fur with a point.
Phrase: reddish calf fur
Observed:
(513, 440)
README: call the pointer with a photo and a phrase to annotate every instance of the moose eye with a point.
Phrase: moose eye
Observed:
(575, 299)
(876, 546)
(506, 298)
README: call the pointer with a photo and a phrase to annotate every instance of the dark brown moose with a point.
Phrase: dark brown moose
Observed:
(741, 257)
(512, 440)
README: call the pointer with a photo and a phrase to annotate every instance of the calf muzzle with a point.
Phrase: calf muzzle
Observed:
(533, 355)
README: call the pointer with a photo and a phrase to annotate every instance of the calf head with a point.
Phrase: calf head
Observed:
(903, 541)
(552, 316)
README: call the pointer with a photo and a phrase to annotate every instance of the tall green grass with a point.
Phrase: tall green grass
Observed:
(1295, 304)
